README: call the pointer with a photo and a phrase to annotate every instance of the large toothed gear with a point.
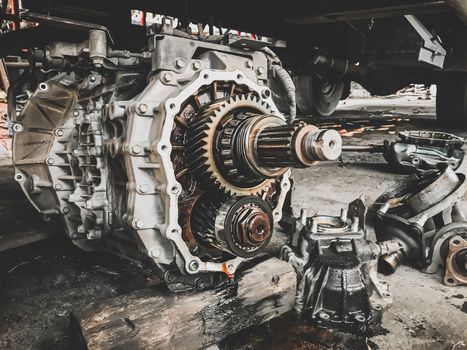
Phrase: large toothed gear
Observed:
(204, 146)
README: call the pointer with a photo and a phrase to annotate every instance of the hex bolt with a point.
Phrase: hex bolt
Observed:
(76, 113)
(196, 65)
(179, 63)
(193, 265)
(259, 70)
(59, 132)
(167, 77)
(144, 188)
(50, 161)
(136, 149)
(142, 108)
(139, 224)
(58, 186)
(92, 78)
(65, 210)
(249, 64)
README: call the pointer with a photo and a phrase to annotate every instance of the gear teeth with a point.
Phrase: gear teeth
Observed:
(200, 145)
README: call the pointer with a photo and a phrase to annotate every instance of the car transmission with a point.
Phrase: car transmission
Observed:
(177, 154)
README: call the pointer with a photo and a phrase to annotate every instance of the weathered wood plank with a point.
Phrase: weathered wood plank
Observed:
(150, 319)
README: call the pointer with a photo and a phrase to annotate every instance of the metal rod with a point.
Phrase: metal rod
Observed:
(20, 65)
(368, 148)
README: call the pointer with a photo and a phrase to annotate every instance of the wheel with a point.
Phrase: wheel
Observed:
(318, 96)
(451, 101)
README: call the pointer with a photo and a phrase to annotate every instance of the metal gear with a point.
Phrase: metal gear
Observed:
(203, 130)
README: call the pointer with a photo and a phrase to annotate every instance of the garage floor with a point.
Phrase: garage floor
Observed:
(43, 282)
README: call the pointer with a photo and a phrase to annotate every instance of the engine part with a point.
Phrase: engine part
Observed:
(336, 264)
(418, 150)
(241, 226)
(423, 214)
(456, 261)
(162, 155)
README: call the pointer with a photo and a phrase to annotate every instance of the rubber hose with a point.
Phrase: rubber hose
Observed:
(287, 82)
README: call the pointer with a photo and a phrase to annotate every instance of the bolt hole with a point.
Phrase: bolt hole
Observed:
(450, 280)
(172, 106)
(360, 318)
(19, 177)
(206, 76)
(456, 242)
(43, 86)
(164, 147)
(239, 76)
(174, 189)
(386, 295)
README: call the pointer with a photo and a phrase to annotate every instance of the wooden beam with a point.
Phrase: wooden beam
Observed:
(151, 319)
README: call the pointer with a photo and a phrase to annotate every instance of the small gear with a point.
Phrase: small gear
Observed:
(211, 161)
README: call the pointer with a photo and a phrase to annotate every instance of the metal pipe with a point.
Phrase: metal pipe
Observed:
(21, 65)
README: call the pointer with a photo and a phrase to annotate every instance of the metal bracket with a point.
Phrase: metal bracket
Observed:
(432, 50)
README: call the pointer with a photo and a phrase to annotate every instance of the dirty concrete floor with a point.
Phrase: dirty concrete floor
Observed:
(43, 282)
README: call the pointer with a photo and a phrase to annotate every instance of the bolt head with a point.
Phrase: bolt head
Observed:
(179, 63)
(59, 132)
(17, 127)
(76, 113)
(136, 149)
(249, 64)
(259, 70)
(193, 265)
(58, 186)
(50, 161)
(139, 224)
(196, 65)
(92, 78)
(167, 77)
(143, 108)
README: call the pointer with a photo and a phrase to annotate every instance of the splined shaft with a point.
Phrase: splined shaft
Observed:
(264, 146)
(297, 146)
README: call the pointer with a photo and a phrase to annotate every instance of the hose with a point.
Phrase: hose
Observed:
(286, 81)
(289, 86)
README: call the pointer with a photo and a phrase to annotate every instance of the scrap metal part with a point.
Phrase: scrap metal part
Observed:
(337, 271)
(418, 150)
(423, 214)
